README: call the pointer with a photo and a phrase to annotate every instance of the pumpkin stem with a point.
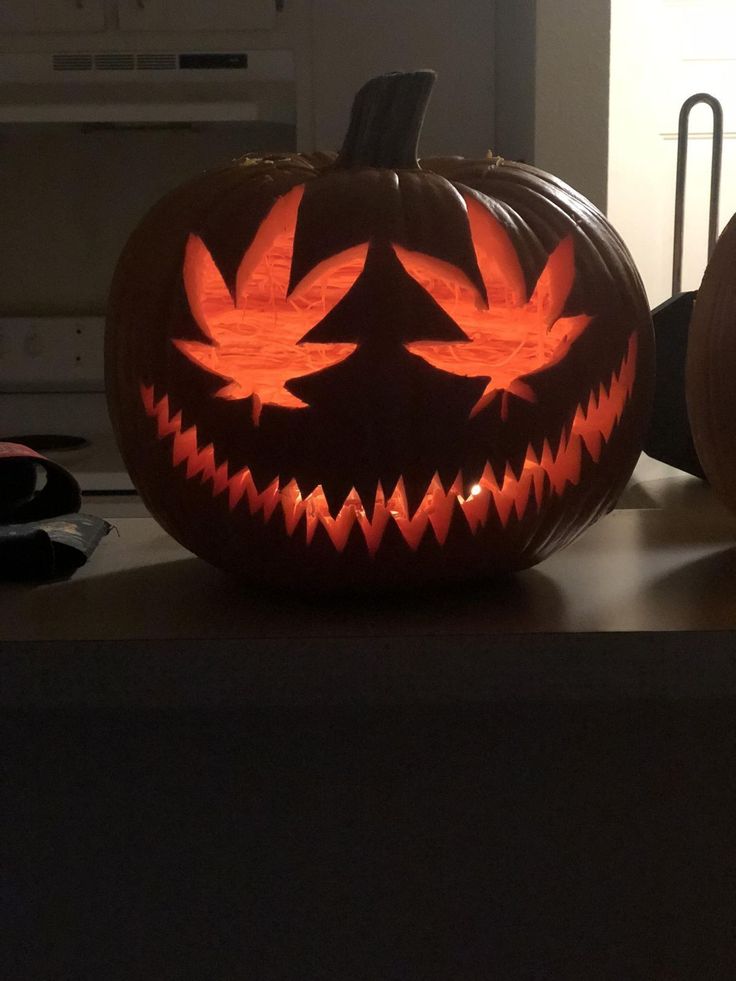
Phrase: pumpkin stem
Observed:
(386, 120)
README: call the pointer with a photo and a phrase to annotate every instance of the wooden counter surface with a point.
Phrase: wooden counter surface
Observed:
(642, 605)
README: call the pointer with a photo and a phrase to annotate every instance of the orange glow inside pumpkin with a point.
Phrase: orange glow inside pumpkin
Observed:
(509, 339)
(252, 339)
(543, 472)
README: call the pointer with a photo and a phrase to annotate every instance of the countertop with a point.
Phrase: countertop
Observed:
(643, 605)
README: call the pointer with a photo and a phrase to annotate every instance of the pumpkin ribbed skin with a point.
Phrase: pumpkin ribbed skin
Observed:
(711, 368)
(387, 413)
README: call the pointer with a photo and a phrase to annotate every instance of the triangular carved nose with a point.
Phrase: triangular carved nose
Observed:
(385, 307)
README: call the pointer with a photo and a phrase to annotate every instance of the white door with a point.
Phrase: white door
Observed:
(58, 16)
(662, 52)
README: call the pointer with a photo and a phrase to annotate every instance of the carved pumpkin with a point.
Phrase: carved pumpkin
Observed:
(710, 368)
(357, 370)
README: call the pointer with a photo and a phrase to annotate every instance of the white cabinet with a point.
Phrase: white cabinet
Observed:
(83, 16)
(47, 16)
(196, 15)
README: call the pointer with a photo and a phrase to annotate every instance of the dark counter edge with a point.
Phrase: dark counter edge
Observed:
(232, 673)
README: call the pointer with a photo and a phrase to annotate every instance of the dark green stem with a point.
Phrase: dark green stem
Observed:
(386, 121)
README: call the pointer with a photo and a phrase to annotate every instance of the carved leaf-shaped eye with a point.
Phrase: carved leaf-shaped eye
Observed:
(513, 337)
(252, 339)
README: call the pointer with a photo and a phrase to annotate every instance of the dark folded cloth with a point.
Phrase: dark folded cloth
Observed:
(49, 549)
(41, 535)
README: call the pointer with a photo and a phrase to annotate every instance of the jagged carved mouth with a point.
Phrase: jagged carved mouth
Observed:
(542, 475)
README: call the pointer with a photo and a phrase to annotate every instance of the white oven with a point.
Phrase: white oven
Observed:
(107, 104)
(104, 106)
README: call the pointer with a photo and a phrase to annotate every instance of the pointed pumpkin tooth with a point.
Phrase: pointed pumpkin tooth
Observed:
(592, 441)
(460, 532)
(516, 462)
(493, 526)
(448, 476)
(393, 542)
(487, 479)
(374, 520)
(567, 430)
(365, 488)
(336, 491)
(416, 490)
(587, 460)
(262, 476)
(392, 483)
(556, 441)
(536, 446)
(540, 486)
(498, 466)
(443, 505)
(474, 466)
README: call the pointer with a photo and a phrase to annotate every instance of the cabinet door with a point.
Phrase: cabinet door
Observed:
(196, 15)
(51, 16)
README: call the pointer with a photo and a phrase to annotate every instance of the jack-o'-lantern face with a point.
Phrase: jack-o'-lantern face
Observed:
(388, 375)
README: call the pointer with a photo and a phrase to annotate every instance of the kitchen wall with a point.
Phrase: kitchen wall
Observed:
(571, 91)
(552, 88)
(353, 41)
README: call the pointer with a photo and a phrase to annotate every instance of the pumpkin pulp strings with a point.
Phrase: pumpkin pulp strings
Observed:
(252, 340)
